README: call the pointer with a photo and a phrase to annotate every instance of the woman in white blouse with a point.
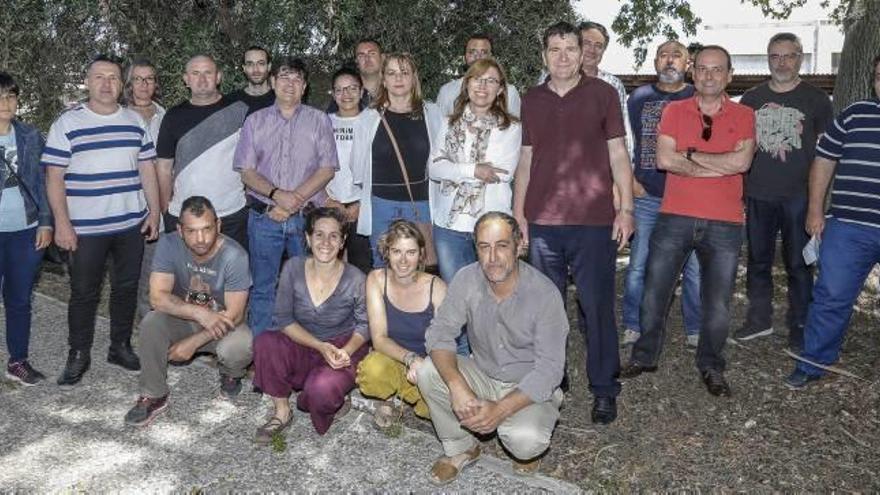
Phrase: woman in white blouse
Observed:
(473, 160)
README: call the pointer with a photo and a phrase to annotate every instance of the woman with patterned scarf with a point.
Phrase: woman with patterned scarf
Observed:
(474, 158)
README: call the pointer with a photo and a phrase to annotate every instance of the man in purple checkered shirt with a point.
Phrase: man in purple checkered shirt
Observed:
(286, 155)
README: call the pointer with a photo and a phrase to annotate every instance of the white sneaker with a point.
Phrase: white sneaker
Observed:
(693, 340)
(630, 336)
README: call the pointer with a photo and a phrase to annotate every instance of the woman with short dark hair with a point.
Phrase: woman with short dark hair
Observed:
(321, 321)
(25, 227)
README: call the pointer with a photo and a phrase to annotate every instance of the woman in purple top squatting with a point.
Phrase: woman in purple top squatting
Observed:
(321, 321)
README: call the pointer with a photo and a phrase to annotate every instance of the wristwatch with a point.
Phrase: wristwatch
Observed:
(690, 153)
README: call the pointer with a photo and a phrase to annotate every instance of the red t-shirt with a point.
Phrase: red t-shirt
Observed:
(712, 198)
(570, 181)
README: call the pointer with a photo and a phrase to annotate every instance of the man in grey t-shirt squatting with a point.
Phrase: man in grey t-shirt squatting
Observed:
(199, 290)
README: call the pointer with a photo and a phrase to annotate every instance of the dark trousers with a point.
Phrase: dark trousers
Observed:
(717, 246)
(764, 220)
(590, 254)
(126, 249)
(19, 264)
(234, 225)
(357, 249)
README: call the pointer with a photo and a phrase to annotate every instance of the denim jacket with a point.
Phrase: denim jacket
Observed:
(29, 143)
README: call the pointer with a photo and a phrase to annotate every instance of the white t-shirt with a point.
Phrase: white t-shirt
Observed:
(101, 154)
(342, 187)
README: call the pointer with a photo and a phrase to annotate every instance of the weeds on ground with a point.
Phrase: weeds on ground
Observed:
(279, 443)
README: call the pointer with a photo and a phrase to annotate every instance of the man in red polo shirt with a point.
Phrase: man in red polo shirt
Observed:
(705, 144)
(573, 154)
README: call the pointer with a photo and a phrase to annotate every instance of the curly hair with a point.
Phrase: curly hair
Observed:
(401, 229)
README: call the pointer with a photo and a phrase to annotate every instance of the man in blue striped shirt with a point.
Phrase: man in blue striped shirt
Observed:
(849, 152)
(102, 188)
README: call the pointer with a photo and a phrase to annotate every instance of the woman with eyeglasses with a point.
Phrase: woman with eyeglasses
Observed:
(474, 158)
(25, 228)
(140, 94)
(342, 192)
(392, 143)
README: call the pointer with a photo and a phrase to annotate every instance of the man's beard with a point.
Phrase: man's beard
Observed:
(670, 75)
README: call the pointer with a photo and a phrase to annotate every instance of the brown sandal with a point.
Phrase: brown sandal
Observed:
(444, 471)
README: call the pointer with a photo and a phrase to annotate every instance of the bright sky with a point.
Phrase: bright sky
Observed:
(712, 12)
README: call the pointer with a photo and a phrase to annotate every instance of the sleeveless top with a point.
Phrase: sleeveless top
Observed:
(405, 328)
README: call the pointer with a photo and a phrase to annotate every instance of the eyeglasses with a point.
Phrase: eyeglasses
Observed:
(707, 127)
(143, 80)
(788, 57)
(486, 81)
(352, 89)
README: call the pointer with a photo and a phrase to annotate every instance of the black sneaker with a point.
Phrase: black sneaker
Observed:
(145, 410)
(749, 332)
(21, 372)
(715, 383)
(229, 387)
(123, 355)
(78, 363)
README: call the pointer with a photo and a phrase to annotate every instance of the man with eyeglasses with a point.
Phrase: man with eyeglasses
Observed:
(705, 144)
(196, 143)
(257, 94)
(849, 154)
(286, 157)
(342, 191)
(368, 56)
(478, 46)
(790, 115)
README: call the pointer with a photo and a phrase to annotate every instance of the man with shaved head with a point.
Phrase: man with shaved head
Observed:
(646, 105)
(196, 146)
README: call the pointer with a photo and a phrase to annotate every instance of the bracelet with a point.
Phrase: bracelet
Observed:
(272, 193)
(409, 358)
(690, 154)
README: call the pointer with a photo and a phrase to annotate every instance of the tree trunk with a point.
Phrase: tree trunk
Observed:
(861, 45)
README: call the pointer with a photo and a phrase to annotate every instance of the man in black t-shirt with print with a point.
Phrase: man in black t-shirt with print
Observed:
(258, 94)
(790, 114)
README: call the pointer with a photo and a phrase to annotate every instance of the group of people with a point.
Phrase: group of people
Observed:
(249, 204)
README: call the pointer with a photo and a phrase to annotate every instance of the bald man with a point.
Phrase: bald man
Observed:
(196, 146)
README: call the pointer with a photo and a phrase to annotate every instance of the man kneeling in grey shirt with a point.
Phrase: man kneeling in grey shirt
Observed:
(518, 329)
(198, 289)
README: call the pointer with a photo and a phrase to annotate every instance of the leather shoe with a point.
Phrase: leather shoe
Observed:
(634, 369)
(78, 363)
(604, 410)
(715, 383)
(122, 355)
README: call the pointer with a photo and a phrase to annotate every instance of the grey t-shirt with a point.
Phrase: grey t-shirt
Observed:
(787, 126)
(203, 283)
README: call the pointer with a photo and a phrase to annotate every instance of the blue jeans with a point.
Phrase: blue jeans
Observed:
(846, 256)
(717, 246)
(269, 240)
(764, 220)
(19, 264)
(646, 210)
(386, 211)
(590, 254)
(454, 250)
